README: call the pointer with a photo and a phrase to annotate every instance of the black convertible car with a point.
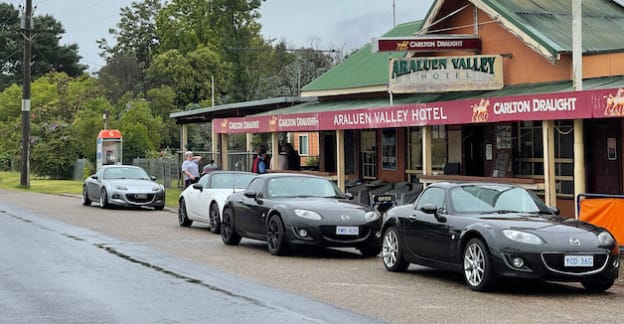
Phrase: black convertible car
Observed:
(488, 231)
(285, 209)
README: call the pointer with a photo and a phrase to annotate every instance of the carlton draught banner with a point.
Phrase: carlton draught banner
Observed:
(554, 106)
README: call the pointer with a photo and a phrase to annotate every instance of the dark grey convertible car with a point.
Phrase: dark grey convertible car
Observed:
(489, 231)
(285, 209)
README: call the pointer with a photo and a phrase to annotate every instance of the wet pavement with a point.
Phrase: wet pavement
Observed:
(52, 272)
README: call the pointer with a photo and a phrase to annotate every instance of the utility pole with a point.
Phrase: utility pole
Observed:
(393, 13)
(26, 31)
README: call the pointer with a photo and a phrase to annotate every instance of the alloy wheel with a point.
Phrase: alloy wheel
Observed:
(474, 264)
(390, 248)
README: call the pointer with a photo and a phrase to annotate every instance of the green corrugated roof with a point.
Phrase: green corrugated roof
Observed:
(540, 88)
(550, 23)
(363, 68)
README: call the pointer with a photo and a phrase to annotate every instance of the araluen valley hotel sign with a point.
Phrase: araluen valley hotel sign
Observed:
(563, 105)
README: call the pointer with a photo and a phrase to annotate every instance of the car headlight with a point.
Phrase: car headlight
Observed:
(522, 237)
(156, 188)
(605, 239)
(120, 187)
(308, 214)
(372, 216)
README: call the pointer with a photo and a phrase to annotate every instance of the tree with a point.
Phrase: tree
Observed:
(135, 34)
(136, 42)
(122, 74)
(87, 124)
(55, 153)
(140, 130)
(189, 75)
(47, 54)
(162, 103)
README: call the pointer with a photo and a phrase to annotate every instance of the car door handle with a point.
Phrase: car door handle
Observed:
(412, 218)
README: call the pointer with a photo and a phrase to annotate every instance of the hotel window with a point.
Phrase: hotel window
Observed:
(388, 149)
(529, 162)
(368, 142)
(303, 145)
(438, 148)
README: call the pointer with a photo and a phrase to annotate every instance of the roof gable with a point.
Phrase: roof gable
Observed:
(546, 25)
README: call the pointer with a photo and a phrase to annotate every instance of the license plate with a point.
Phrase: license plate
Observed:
(140, 196)
(578, 261)
(347, 230)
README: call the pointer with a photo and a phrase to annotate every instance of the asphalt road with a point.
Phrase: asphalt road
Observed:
(337, 277)
(51, 272)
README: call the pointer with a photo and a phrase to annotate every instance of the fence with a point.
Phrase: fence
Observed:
(167, 170)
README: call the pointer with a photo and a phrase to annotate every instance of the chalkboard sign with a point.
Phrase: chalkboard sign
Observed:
(501, 165)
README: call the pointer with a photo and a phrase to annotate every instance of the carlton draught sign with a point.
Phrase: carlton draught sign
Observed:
(443, 74)
(602, 103)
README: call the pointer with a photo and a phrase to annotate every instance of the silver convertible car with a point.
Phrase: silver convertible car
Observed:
(123, 185)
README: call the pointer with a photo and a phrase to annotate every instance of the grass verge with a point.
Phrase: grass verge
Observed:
(11, 181)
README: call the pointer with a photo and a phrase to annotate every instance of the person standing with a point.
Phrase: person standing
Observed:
(261, 161)
(190, 168)
(293, 160)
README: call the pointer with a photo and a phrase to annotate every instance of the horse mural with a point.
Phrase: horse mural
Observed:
(615, 104)
(480, 111)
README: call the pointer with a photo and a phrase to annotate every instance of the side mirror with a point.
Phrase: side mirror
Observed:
(251, 194)
(433, 210)
(349, 195)
(153, 178)
(429, 209)
(198, 186)
(554, 210)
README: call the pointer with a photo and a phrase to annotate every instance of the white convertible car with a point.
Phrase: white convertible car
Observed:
(203, 201)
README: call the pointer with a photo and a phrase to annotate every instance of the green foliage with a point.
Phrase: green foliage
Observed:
(56, 153)
(140, 130)
(87, 124)
(47, 54)
(136, 142)
(312, 161)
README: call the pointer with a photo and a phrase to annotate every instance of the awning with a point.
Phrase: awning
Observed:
(547, 101)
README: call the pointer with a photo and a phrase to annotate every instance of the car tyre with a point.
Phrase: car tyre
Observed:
(215, 221)
(598, 285)
(183, 219)
(85, 197)
(477, 267)
(104, 199)
(392, 251)
(369, 251)
(228, 231)
(275, 236)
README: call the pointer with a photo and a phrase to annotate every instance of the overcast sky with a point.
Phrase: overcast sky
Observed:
(326, 24)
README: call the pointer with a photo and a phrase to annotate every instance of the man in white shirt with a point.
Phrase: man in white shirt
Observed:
(190, 168)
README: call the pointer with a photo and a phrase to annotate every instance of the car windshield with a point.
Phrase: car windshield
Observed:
(231, 180)
(302, 187)
(495, 199)
(125, 173)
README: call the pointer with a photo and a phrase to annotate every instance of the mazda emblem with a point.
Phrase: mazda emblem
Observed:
(575, 241)
(345, 217)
